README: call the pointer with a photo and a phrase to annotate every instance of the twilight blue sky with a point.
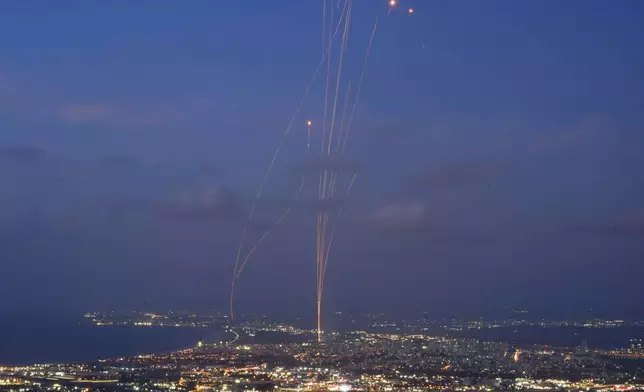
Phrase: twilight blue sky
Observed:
(499, 144)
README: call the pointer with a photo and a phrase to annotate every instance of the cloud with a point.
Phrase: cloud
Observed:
(453, 175)
(43, 103)
(212, 203)
(23, 154)
(457, 175)
(83, 113)
(400, 215)
(205, 204)
(215, 196)
(417, 224)
(132, 114)
(567, 137)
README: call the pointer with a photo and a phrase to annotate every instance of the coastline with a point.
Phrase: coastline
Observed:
(66, 342)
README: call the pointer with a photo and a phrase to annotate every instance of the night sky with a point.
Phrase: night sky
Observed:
(499, 147)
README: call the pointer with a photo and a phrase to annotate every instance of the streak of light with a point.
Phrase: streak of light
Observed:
(267, 232)
(345, 37)
(362, 73)
(286, 132)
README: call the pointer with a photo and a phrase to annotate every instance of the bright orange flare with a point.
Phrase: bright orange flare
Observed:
(309, 123)
(392, 3)
(411, 11)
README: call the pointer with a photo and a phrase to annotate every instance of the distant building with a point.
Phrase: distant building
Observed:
(636, 345)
